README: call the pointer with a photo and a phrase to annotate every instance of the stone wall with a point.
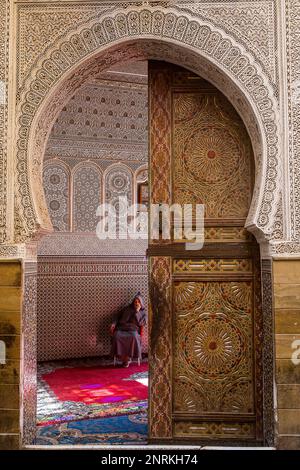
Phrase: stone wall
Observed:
(10, 334)
(287, 339)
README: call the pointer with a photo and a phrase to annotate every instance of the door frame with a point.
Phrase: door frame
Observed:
(56, 76)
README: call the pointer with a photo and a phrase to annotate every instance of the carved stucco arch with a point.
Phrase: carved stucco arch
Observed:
(138, 33)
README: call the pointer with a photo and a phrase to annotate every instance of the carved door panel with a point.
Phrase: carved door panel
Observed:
(205, 320)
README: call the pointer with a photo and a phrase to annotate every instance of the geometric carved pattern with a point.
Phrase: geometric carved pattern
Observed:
(70, 244)
(142, 175)
(212, 155)
(29, 327)
(262, 341)
(118, 183)
(232, 234)
(105, 119)
(38, 24)
(252, 22)
(4, 29)
(212, 265)
(213, 347)
(268, 350)
(278, 226)
(82, 291)
(86, 197)
(220, 430)
(56, 181)
(215, 320)
(160, 350)
(160, 144)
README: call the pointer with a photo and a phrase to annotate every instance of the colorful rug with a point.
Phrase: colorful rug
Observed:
(131, 429)
(89, 388)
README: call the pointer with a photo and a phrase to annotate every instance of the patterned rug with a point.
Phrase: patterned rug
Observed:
(130, 429)
(84, 389)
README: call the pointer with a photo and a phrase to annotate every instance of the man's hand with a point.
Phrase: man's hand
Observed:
(112, 328)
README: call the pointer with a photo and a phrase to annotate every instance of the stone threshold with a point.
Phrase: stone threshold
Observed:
(140, 447)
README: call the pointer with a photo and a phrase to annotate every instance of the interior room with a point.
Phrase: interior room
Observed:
(97, 151)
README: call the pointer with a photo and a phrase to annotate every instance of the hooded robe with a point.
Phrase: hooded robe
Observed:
(126, 339)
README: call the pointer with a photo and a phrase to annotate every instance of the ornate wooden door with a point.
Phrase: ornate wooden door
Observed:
(205, 320)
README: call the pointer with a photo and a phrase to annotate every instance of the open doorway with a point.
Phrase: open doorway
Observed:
(206, 315)
(97, 152)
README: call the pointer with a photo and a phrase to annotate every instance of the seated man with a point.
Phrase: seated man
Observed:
(126, 341)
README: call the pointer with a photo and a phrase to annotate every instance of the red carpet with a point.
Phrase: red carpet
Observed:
(91, 385)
